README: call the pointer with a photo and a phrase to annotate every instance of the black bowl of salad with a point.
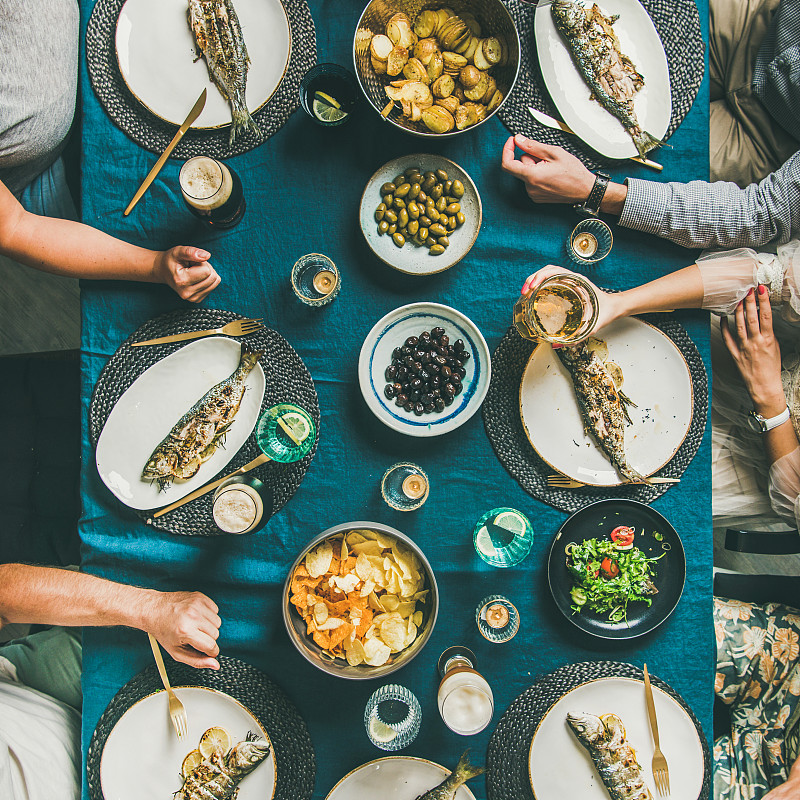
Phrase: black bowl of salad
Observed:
(616, 569)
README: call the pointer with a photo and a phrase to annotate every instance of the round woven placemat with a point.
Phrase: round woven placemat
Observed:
(153, 133)
(507, 776)
(295, 763)
(287, 381)
(503, 424)
(678, 25)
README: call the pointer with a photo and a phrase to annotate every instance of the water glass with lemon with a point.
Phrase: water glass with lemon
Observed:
(503, 537)
(328, 94)
(286, 433)
(392, 717)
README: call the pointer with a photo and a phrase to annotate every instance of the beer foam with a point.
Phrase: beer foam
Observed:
(206, 184)
(234, 511)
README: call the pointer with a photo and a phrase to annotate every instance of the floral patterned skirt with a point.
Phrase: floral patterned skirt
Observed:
(758, 678)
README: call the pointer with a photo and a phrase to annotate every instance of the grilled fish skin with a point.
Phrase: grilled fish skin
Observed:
(610, 74)
(218, 776)
(615, 759)
(602, 405)
(198, 433)
(447, 789)
(218, 34)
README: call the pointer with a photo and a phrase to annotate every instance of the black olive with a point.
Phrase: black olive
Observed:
(397, 353)
(416, 383)
(391, 373)
(425, 374)
(436, 333)
(419, 409)
(441, 360)
(448, 399)
(439, 404)
(401, 400)
(434, 369)
(409, 406)
(446, 372)
(444, 340)
(426, 399)
(416, 368)
(408, 361)
(425, 358)
(436, 393)
(411, 341)
(464, 357)
(406, 351)
(402, 373)
(436, 382)
(460, 371)
(425, 336)
(458, 345)
(398, 387)
(428, 408)
(459, 388)
(418, 354)
(388, 390)
(413, 396)
(449, 388)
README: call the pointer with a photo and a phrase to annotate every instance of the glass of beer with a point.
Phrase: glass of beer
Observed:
(212, 191)
(239, 505)
(562, 309)
(590, 241)
(465, 698)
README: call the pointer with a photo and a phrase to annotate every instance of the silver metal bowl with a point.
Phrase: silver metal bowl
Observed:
(491, 14)
(312, 652)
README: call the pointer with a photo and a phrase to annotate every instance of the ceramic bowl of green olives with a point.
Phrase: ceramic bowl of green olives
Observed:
(420, 213)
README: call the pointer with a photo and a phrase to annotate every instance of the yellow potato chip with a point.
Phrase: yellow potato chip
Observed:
(343, 552)
(354, 653)
(331, 624)
(320, 613)
(393, 634)
(389, 602)
(354, 537)
(318, 560)
(411, 633)
(416, 618)
(368, 587)
(374, 603)
(347, 583)
(367, 548)
(405, 610)
(376, 653)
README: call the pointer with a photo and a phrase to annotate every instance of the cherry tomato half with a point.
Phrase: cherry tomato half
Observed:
(622, 536)
(609, 568)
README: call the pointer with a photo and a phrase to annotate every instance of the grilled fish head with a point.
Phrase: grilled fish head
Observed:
(162, 464)
(246, 756)
(588, 728)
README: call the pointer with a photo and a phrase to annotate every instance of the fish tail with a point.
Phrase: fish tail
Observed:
(249, 358)
(241, 120)
(644, 142)
(465, 771)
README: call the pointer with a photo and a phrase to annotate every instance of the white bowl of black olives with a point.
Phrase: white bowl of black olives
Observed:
(424, 369)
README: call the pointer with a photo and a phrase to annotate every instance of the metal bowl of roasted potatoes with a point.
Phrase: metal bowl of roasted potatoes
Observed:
(434, 69)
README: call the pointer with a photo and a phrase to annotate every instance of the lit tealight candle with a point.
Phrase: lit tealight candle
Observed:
(585, 244)
(497, 616)
(324, 281)
(414, 486)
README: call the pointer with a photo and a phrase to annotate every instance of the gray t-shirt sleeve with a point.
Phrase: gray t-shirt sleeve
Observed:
(700, 214)
(39, 58)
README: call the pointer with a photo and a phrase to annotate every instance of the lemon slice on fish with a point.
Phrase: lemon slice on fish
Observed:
(214, 739)
(295, 426)
(327, 108)
(381, 732)
(194, 759)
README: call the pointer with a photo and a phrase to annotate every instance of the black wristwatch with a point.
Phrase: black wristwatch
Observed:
(591, 206)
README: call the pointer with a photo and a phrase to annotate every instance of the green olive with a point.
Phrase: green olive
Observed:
(441, 205)
(428, 184)
(399, 202)
(444, 220)
(434, 215)
(388, 200)
(436, 192)
(422, 234)
(398, 239)
(402, 190)
(421, 197)
(458, 189)
(437, 250)
(383, 227)
(460, 218)
(390, 216)
(453, 224)
(438, 230)
(425, 221)
(413, 227)
(453, 208)
(441, 175)
(413, 193)
(450, 199)
(448, 187)
(413, 210)
(398, 179)
(392, 229)
(443, 241)
(387, 188)
(402, 218)
(380, 211)
(412, 171)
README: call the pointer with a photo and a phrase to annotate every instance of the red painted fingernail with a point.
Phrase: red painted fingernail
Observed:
(762, 289)
(750, 292)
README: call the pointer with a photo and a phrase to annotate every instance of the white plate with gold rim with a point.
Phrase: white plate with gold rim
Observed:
(561, 767)
(157, 57)
(394, 778)
(153, 404)
(656, 378)
(142, 756)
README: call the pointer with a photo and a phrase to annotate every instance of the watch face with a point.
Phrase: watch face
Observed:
(756, 422)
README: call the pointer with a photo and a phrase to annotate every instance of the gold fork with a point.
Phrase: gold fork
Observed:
(177, 713)
(239, 327)
(563, 482)
(660, 768)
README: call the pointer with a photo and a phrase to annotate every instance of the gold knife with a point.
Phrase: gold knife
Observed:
(151, 176)
(551, 122)
(256, 462)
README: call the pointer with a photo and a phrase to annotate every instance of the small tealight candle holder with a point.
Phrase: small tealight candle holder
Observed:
(497, 618)
(590, 241)
(315, 279)
(503, 537)
(405, 487)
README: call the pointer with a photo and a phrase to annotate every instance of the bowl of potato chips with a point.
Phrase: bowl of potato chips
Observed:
(360, 601)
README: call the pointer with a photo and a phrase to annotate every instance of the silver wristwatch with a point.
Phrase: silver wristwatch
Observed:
(763, 424)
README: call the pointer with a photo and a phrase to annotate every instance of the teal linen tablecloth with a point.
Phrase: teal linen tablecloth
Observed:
(303, 188)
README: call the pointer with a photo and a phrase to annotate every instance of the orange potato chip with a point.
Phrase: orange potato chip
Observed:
(340, 634)
(366, 621)
(322, 638)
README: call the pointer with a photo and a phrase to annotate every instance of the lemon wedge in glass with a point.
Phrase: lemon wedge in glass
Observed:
(381, 732)
(327, 108)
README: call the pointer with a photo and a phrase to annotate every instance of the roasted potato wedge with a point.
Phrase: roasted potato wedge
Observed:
(438, 119)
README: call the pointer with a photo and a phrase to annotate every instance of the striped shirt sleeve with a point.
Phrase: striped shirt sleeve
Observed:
(700, 214)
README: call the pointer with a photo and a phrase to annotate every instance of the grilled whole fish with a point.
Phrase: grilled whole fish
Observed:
(218, 776)
(202, 429)
(602, 405)
(447, 789)
(615, 759)
(219, 38)
(611, 75)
